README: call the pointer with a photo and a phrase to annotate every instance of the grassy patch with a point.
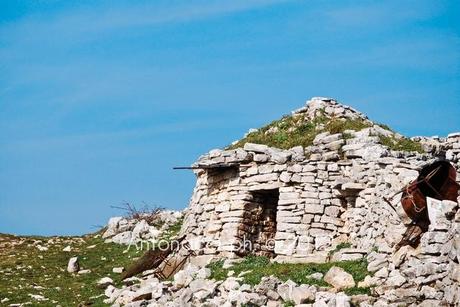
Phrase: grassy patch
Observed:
(261, 266)
(285, 133)
(335, 125)
(291, 131)
(385, 126)
(24, 269)
(403, 144)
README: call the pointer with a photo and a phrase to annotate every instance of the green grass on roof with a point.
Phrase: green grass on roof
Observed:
(291, 131)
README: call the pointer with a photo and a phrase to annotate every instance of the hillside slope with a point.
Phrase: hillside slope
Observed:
(33, 269)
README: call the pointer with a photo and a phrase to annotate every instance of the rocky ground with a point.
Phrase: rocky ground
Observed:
(253, 281)
(374, 280)
(37, 271)
(84, 271)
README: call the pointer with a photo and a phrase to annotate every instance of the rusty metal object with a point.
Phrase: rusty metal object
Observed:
(161, 259)
(174, 262)
(436, 180)
(149, 261)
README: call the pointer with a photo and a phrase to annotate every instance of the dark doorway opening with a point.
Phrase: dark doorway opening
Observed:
(263, 219)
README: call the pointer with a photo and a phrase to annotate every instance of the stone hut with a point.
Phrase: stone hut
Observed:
(299, 204)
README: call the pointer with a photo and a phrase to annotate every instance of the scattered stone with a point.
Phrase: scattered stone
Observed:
(105, 282)
(37, 297)
(87, 271)
(118, 270)
(68, 248)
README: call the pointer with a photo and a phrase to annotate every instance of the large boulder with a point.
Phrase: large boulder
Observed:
(339, 278)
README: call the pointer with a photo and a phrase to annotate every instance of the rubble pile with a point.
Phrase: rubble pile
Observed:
(123, 230)
(193, 287)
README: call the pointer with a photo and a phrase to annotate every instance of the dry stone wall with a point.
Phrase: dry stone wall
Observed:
(323, 195)
(298, 205)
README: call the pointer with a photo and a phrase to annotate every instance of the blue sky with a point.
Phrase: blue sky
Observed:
(100, 99)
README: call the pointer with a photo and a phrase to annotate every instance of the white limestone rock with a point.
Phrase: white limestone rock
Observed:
(184, 277)
(68, 248)
(124, 238)
(285, 290)
(112, 227)
(73, 265)
(105, 282)
(339, 278)
(257, 148)
(303, 294)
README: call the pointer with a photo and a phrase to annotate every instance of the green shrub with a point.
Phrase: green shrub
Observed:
(335, 125)
(402, 144)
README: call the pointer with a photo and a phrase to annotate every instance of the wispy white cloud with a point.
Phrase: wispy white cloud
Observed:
(88, 24)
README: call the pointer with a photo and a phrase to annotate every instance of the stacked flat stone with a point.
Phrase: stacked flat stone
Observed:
(329, 193)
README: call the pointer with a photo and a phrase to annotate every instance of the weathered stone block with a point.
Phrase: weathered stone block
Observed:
(258, 148)
(223, 207)
(314, 209)
(285, 247)
(262, 178)
(307, 218)
(307, 179)
(309, 194)
(285, 177)
(333, 211)
(266, 168)
(289, 195)
(289, 219)
(262, 158)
